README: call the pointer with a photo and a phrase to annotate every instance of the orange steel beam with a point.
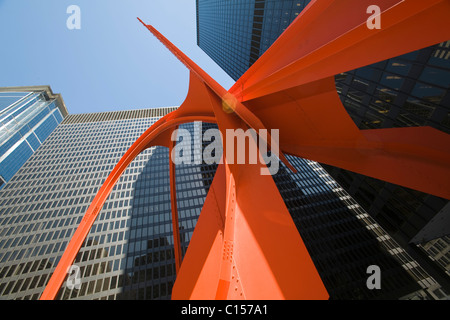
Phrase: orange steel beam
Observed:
(229, 102)
(319, 128)
(245, 244)
(295, 77)
(331, 36)
(174, 209)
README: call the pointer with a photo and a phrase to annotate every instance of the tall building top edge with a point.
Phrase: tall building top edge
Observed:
(118, 115)
(44, 88)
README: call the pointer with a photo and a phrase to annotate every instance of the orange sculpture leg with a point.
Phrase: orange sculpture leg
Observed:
(174, 209)
(158, 134)
(245, 244)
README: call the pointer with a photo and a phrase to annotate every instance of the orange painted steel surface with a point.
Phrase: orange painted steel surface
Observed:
(245, 244)
(174, 210)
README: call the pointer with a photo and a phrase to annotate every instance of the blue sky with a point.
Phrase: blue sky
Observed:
(112, 62)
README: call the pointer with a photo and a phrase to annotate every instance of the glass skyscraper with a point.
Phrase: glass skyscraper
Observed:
(236, 33)
(28, 115)
(343, 240)
(409, 90)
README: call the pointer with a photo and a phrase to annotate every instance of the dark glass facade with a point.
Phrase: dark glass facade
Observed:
(409, 90)
(235, 33)
(212, 16)
(150, 266)
(343, 240)
(405, 91)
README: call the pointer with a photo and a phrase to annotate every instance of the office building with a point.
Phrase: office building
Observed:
(409, 90)
(236, 33)
(129, 251)
(28, 115)
(343, 240)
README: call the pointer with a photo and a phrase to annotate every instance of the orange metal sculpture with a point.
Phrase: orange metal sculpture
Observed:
(245, 244)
